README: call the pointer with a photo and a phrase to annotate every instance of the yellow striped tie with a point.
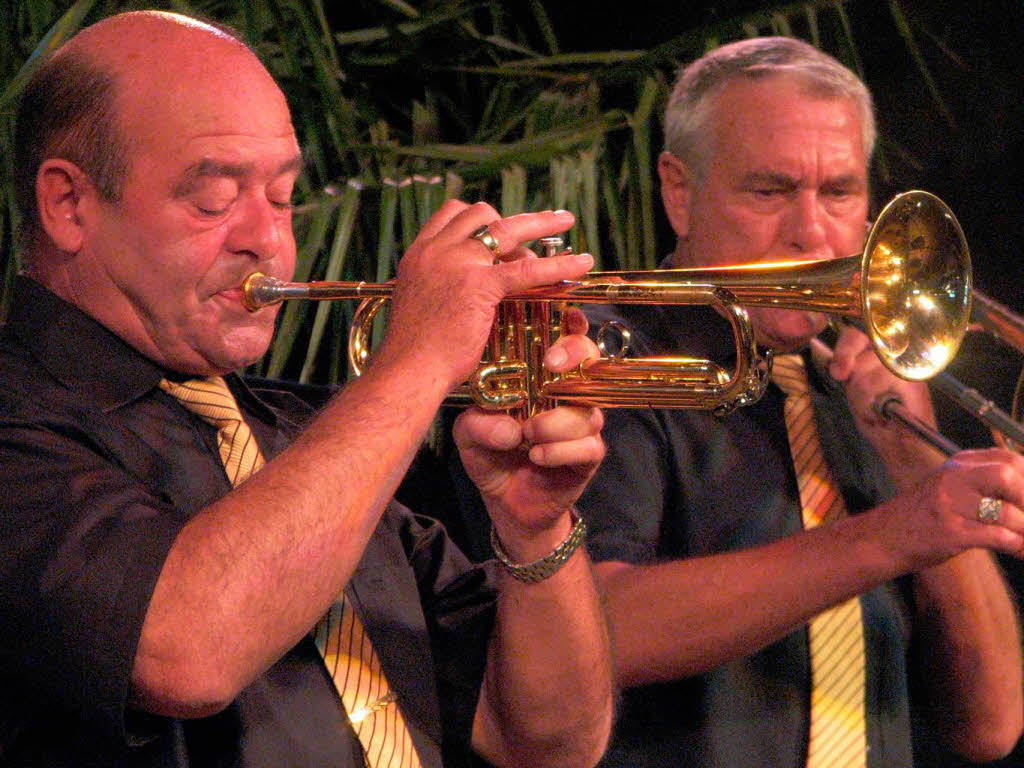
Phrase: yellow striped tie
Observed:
(211, 400)
(838, 737)
(370, 702)
(340, 636)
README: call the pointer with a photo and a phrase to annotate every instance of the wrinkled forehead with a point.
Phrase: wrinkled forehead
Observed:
(753, 111)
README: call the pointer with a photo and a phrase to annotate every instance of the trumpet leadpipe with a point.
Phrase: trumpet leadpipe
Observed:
(261, 290)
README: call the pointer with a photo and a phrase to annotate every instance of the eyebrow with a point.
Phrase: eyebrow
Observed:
(209, 168)
(782, 179)
(768, 177)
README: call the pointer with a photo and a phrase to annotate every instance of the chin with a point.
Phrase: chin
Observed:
(789, 332)
(238, 348)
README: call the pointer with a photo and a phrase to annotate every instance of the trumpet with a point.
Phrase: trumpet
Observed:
(909, 287)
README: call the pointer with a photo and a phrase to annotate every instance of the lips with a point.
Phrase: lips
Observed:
(234, 294)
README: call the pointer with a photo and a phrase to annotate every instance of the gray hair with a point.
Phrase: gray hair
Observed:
(689, 107)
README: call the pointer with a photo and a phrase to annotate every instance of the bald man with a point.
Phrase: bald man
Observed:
(160, 609)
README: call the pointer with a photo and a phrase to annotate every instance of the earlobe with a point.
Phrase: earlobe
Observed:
(60, 188)
(676, 191)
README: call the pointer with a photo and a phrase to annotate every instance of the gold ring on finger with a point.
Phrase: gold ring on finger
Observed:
(483, 234)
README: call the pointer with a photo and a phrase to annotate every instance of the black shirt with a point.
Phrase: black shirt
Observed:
(684, 483)
(100, 470)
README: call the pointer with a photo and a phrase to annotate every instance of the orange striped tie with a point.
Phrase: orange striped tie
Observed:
(838, 737)
(340, 636)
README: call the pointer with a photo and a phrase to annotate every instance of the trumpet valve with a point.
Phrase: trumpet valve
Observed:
(553, 245)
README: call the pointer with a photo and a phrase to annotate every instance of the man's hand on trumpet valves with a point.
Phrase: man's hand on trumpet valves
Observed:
(531, 473)
(450, 282)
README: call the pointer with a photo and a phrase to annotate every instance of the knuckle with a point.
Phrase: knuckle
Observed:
(453, 205)
(1004, 475)
(481, 208)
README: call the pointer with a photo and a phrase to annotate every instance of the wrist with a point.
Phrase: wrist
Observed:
(533, 571)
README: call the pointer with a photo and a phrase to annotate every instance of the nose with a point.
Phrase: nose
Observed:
(256, 230)
(806, 226)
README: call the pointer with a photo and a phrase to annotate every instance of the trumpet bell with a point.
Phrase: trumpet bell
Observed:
(916, 287)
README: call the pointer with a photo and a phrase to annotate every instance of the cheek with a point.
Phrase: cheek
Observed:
(746, 235)
(730, 237)
(848, 230)
(287, 258)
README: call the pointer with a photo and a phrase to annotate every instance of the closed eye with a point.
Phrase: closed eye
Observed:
(211, 212)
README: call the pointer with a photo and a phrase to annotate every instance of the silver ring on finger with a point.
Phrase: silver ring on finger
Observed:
(483, 234)
(989, 510)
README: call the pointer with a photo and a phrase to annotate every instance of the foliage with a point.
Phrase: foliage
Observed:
(399, 107)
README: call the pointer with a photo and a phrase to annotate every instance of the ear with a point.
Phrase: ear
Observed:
(676, 191)
(61, 187)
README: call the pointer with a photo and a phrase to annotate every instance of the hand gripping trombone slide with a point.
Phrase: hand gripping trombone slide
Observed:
(910, 289)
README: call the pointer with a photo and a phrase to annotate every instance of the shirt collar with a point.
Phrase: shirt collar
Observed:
(85, 356)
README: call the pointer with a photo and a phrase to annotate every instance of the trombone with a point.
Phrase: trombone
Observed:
(999, 321)
(909, 287)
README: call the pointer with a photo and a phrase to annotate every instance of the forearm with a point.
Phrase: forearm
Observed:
(969, 654)
(731, 605)
(547, 693)
(253, 572)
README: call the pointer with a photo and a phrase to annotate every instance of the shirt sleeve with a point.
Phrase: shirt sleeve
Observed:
(82, 543)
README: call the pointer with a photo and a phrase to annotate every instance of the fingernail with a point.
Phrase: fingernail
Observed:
(555, 357)
(561, 210)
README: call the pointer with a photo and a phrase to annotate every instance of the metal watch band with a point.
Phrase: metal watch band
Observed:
(539, 570)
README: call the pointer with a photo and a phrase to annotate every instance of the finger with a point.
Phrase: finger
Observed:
(532, 273)
(999, 480)
(511, 232)
(981, 456)
(520, 252)
(585, 452)
(574, 321)
(441, 218)
(569, 351)
(476, 428)
(563, 423)
(461, 226)
(848, 348)
(1004, 535)
(998, 538)
(527, 227)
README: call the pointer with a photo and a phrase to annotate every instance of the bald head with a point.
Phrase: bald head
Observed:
(103, 95)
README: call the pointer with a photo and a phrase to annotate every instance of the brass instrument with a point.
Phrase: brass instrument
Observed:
(989, 316)
(910, 288)
(992, 317)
